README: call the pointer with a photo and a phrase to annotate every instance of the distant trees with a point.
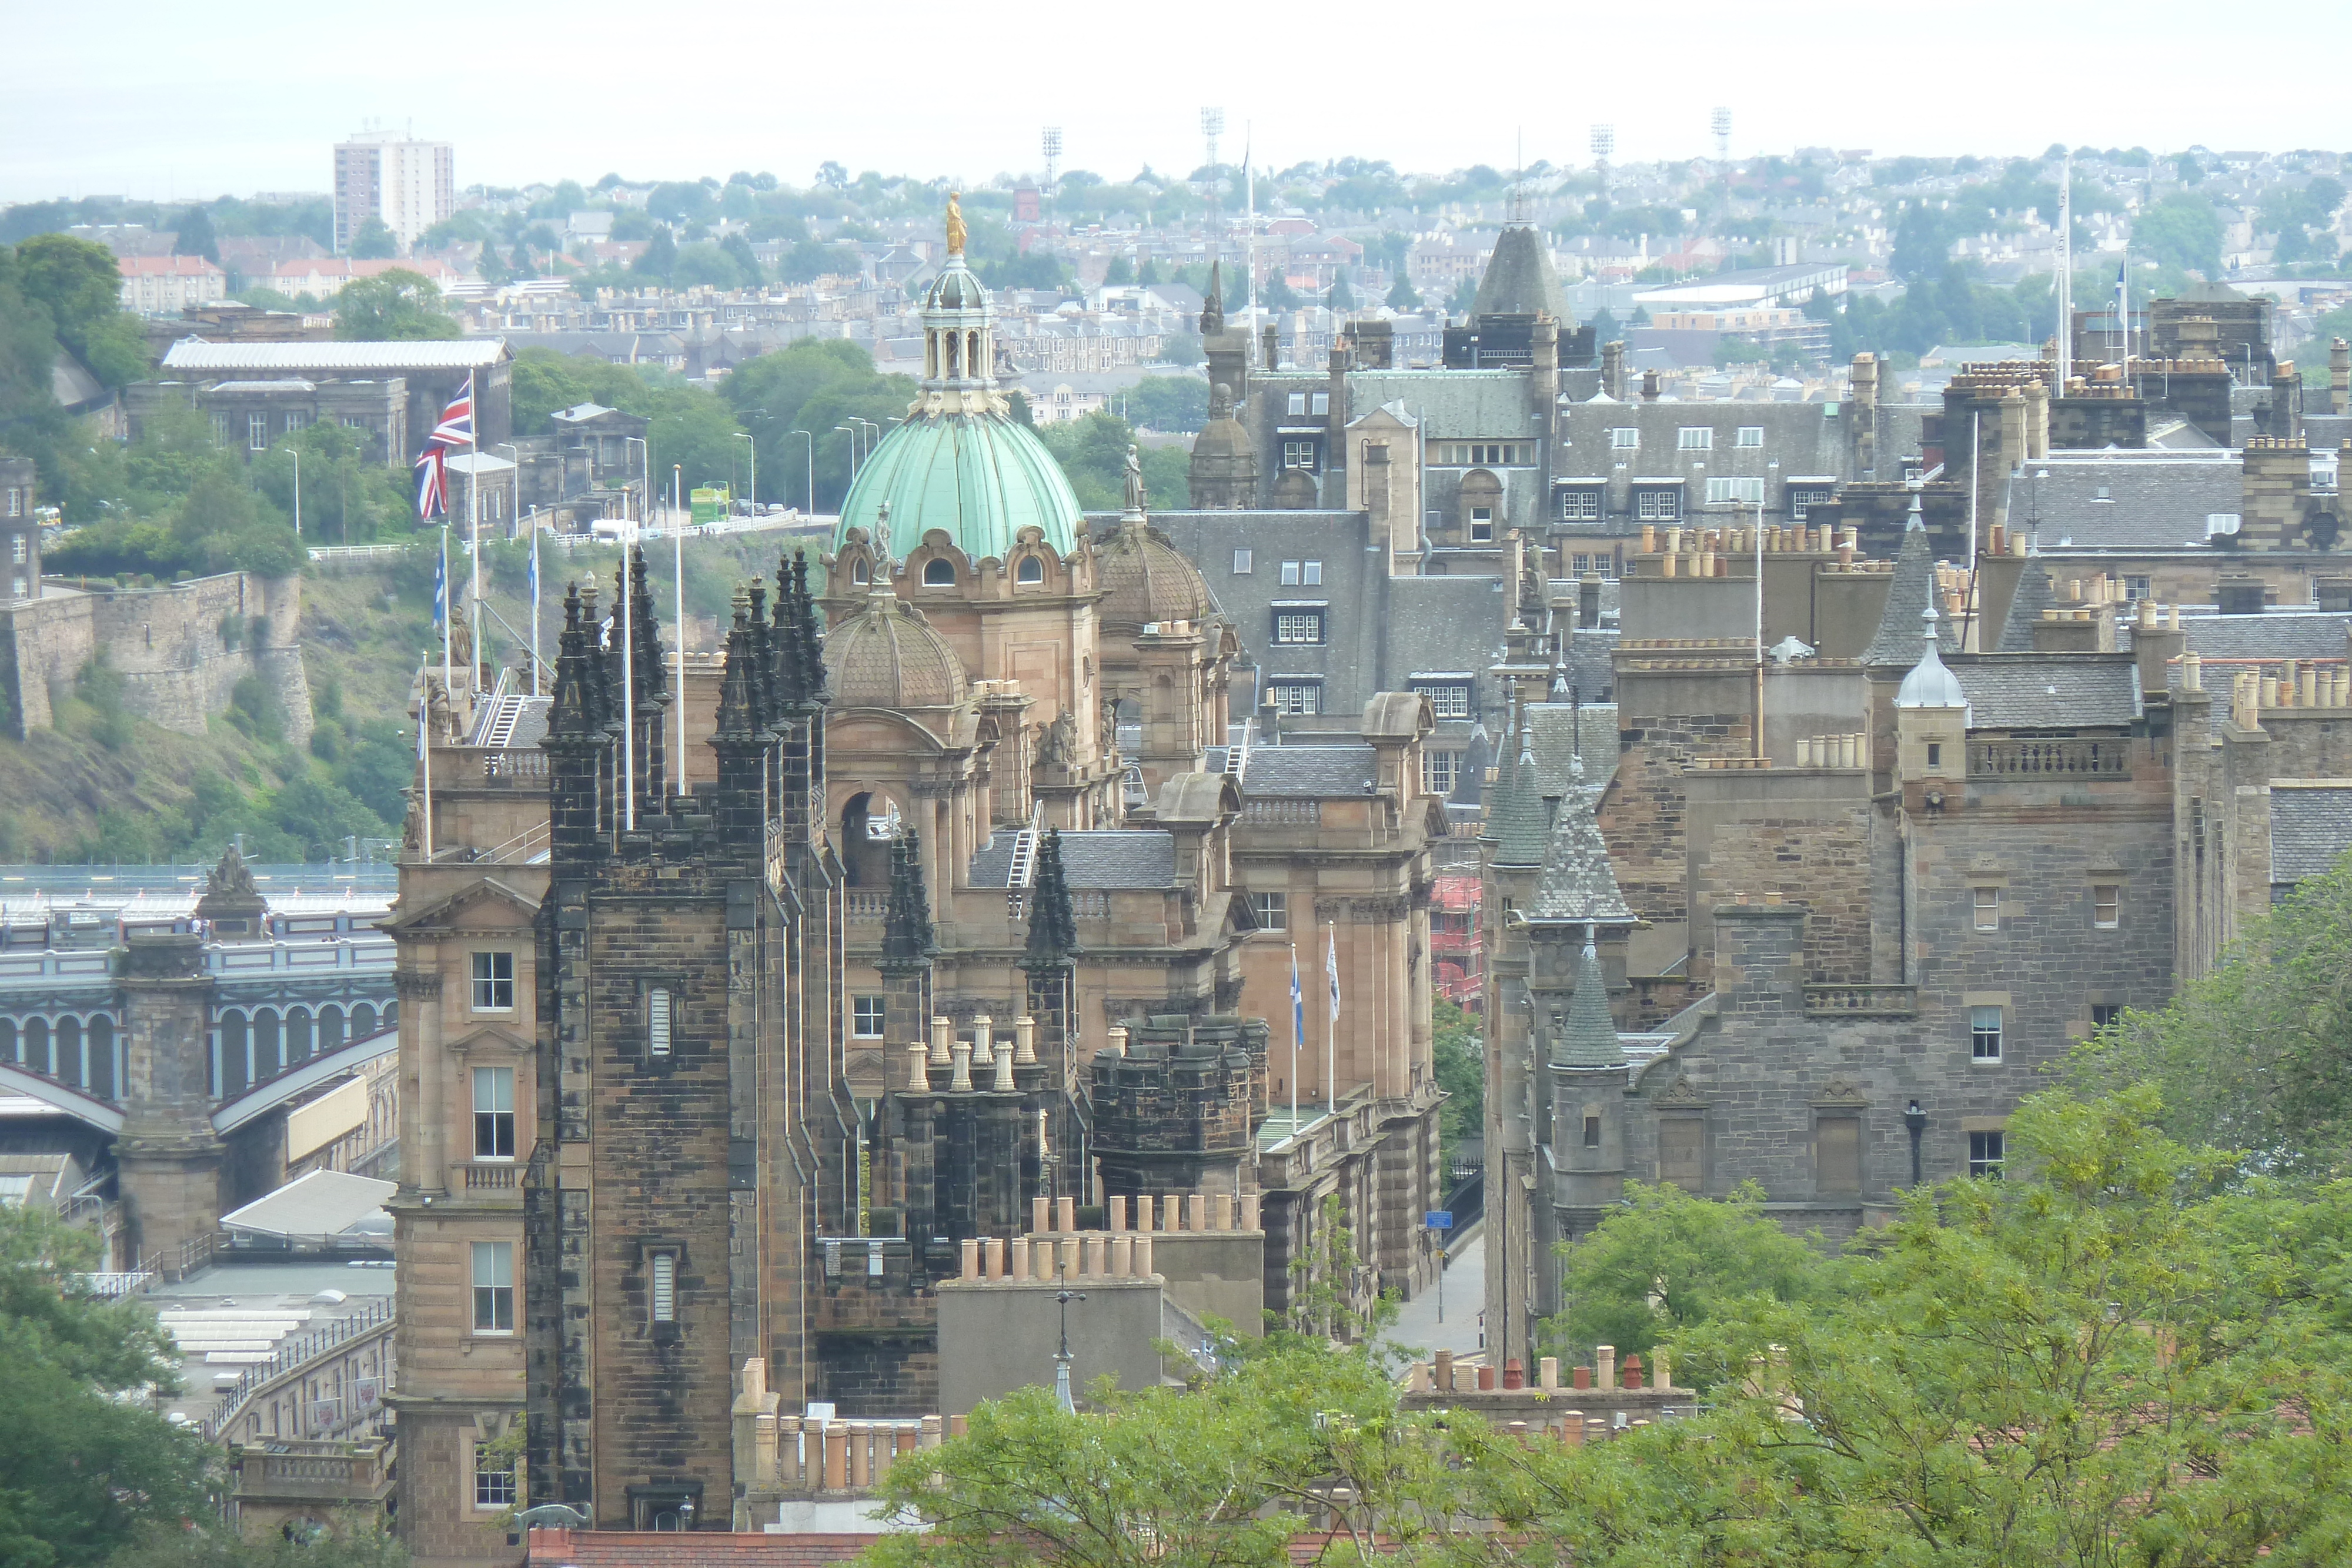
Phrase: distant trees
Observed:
(195, 235)
(813, 385)
(2180, 229)
(373, 240)
(396, 305)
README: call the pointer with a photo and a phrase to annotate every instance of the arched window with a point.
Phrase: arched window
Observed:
(1031, 569)
(938, 572)
(362, 1021)
(861, 573)
(99, 1042)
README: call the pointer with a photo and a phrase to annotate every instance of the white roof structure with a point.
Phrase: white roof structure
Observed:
(426, 354)
(317, 1206)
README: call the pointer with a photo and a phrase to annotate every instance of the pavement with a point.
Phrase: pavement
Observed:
(1418, 1327)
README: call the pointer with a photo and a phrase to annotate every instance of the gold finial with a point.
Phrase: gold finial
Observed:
(956, 231)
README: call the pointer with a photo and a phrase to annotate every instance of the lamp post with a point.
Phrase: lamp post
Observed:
(643, 495)
(296, 454)
(1916, 1120)
(755, 470)
(810, 439)
(852, 434)
(1061, 1356)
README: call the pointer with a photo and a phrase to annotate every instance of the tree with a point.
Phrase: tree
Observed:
(1460, 1059)
(373, 240)
(2182, 230)
(1119, 272)
(77, 283)
(736, 245)
(1278, 295)
(1341, 296)
(659, 259)
(394, 306)
(1403, 295)
(348, 1542)
(2256, 1054)
(84, 1462)
(813, 385)
(1169, 404)
(705, 265)
(195, 236)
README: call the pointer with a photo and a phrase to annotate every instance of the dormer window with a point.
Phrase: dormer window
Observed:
(861, 573)
(1032, 568)
(938, 572)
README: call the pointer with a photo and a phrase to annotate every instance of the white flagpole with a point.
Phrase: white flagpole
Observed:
(474, 534)
(446, 656)
(534, 601)
(424, 751)
(1331, 1029)
(628, 688)
(2065, 274)
(1249, 239)
(1295, 1009)
(677, 703)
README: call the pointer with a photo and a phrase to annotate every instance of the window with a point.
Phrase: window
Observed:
(1987, 908)
(1625, 438)
(1695, 438)
(2106, 906)
(493, 1287)
(1321, 402)
(1481, 524)
(1837, 1153)
(1440, 771)
(493, 982)
(2105, 1016)
(494, 1478)
(2135, 588)
(1984, 1033)
(938, 572)
(661, 1287)
(1311, 574)
(1580, 505)
(1747, 492)
(1505, 454)
(1241, 563)
(1750, 435)
(257, 431)
(1986, 1155)
(1271, 911)
(1301, 455)
(1593, 1132)
(861, 572)
(1290, 574)
(1031, 569)
(867, 1017)
(1682, 1151)
(1935, 753)
(1297, 405)
(1803, 501)
(294, 420)
(18, 549)
(1657, 505)
(1448, 699)
(1296, 696)
(1298, 626)
(658, 1021)
(494, 1122)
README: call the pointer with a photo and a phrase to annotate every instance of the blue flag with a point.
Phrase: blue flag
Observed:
(1297, 1003)
(440, 588)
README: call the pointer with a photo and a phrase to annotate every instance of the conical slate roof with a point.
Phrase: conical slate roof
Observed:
(1578, 881)
(2025, 608)
(1589, 1038)
(1519, 280)
(1521, 822)
(1896, 644)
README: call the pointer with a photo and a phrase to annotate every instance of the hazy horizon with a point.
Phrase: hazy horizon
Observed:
(212, 110)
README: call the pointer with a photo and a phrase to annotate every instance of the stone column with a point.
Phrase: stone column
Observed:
(169, 1156)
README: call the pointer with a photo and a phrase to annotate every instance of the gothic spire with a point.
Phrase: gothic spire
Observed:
(1912, 589)
(2025, 607)
(739, 716)
(1588, 1038)
(1212, 300)
(1053, 923)
(907, 936)
(573, 710)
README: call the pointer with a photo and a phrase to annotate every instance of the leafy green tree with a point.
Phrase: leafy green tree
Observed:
(195, 235)
(1093, 455)
(1169, 403)
(373, 240)
(394, 306)
(738, 246)
(2256, 1054)
(659, 259)
(1459, 1055)
(78, 285)
(2182, 230)
(705, 265)
(1670, 1262)
(1341, 296)
(1278, 295)
(84, 1462)
(813, 385)
(1403, 295)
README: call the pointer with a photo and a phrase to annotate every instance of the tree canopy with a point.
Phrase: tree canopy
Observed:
(394, 306)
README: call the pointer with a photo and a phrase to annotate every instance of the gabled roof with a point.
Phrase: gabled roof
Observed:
(2048, 691)
(1100, 857)
(441, 914)
(1896, 644)
(2311, 827)
(2025, 607)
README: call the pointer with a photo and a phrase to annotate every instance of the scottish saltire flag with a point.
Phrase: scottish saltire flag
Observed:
(432, 487)
(456, 427)
(1331, 968)
(1297, 1003)
(534, 563)
(441, 588)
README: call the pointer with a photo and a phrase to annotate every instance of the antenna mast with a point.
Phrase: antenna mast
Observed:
(1213, 125)
(1605, 142)
(2065, 273)
(1053, 144)
(1719, 122)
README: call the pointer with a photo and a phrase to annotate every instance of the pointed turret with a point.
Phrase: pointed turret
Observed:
(907, 934)
(1053, 923)
(1212, 301)
(2025, 607)
(1578, 881)
(1588, 1039)
(1896, 644)
(1522, 822)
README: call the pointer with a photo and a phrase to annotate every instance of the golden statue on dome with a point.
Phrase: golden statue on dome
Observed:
(956, 231)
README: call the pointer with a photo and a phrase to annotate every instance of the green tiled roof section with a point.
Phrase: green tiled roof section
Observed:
(981, 478)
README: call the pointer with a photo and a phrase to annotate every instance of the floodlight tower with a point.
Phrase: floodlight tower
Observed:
(1053, 142)
(1605, 142)
(1213, 125)
(1720, 124)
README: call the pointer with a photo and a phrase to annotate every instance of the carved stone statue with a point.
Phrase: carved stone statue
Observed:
(1134, 480)
(1059, 746)
(957, 233)
(1221, 401)
(461, 638)
(412, 827)
(1109, 730)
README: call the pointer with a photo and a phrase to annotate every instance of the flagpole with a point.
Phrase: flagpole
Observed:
(1331, 1029)
(679, 702)
(2065, 274)
(474, 536)
(628, 689)
(443, 608)
(534, 601)
(424, 751)
(1297, 1008)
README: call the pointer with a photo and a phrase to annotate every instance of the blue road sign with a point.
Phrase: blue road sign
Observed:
(1440, 1219)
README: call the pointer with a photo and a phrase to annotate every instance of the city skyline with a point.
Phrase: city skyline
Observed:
(1123, 96)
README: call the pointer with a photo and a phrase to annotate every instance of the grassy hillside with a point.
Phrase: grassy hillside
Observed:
(106, 786)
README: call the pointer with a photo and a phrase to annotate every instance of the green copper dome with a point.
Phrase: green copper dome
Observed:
(978, 476)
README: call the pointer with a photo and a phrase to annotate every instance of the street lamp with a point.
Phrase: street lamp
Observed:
(645, 490)
(810, 439)
(296, 454)
(845, 430)
(755, 471)
(1916, 1120)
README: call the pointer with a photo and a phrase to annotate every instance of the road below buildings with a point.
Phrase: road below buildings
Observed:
(1418, 1328)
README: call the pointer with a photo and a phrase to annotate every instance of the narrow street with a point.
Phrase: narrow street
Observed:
(1417, 1327)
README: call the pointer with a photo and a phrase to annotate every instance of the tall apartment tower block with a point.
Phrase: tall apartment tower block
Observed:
(410, 184)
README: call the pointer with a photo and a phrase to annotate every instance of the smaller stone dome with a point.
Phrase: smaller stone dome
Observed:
(1145, 579)
(886, 655)
(1931, 683)
(955, 288)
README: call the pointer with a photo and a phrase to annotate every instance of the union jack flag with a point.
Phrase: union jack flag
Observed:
(456, 427)
(431, 486)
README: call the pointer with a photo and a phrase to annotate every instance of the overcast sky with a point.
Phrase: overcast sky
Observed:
(172, 103)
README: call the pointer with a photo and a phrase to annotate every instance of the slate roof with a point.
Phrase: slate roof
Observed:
(1588, 1038)
(1519, 280)
(1578, 883)
(2274, 634)
(2048, 691)
(1318, 771)
(2155, 499)
(1518, 818)
(1559, 731)
(2032, 597)
(2310, 829)
(1896, 644)
(1099, 858)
